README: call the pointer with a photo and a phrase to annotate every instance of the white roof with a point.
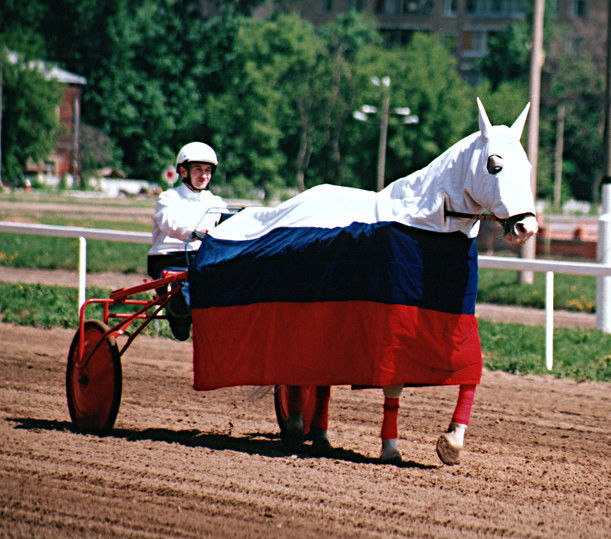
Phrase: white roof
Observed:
(51, 72)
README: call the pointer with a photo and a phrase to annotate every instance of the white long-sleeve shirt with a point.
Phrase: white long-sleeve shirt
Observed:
(179, 212)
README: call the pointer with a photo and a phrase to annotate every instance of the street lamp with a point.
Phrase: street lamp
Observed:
(361, 115)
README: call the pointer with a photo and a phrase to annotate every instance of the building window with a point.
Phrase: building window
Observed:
(396, 38)
(474, 42)
(388, 7)
(502, 8)
(450, 8)
(404, 7)
(418, 7)
(356, 5)
(578, 9)
(327, 6)
(575, 44)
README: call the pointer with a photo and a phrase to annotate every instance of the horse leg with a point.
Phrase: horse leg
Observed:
(293, 427)
(450, 444)
(320, 421)
(390, 453)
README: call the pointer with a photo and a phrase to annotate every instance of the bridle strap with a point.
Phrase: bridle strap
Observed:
(507, 224)
(477, 217)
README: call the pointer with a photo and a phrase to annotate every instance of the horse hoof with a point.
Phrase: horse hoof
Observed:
(390, 453)
(391, 457)
(447, 450)
(321, 446)
(292, 433)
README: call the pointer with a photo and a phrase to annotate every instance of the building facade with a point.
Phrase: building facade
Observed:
(466, 25)
(65, 158)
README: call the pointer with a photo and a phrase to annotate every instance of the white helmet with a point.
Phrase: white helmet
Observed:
(196, 152)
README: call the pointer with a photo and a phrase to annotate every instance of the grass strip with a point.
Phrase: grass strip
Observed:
(48, 252)
(49, 306)
(571, 292)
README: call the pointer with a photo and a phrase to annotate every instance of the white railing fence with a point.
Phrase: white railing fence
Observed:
(83, 234)
(549, 267)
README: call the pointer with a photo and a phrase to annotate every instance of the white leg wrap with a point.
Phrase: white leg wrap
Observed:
(393, 392)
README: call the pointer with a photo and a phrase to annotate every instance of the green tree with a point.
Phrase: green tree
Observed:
(347, 41)
(508, 57)
(303, 84)
(149, 64)
(280, 122)
(424, 79)
(573, 81)
(29, 119)
(568, 80)
(245, 117)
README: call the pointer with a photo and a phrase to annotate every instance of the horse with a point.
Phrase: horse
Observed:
(487, 171)
(497, 145)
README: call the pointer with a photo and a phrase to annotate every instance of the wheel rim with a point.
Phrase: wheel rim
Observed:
(93, 382)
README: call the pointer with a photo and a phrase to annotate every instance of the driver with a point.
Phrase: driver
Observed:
(181, 211)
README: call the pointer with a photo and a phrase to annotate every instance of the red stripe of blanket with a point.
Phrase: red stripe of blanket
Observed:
(333, 343)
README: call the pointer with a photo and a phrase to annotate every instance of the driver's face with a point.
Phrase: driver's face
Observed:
(201, 174)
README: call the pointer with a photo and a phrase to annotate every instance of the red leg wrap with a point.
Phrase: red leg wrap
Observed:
(389, 424)
(462, 412)
(320, 419)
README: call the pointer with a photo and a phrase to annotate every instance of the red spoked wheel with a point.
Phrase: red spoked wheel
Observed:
(94, 382)
(281, 403)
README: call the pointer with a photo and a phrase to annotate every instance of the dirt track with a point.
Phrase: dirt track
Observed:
(187, 464)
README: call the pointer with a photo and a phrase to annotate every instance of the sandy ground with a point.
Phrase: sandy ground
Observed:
(180, 463)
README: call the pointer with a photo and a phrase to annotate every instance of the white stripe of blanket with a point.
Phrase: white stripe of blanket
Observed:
(325, 206)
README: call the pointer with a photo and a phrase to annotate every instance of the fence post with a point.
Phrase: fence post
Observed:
(603, 283)
(82, 271)
(549, 320)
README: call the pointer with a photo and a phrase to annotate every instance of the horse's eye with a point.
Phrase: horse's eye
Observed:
(495, 164)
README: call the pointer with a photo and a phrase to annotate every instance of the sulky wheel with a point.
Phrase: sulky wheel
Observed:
(93, 383)
(281, 396)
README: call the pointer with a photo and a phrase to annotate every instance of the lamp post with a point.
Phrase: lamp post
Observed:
(361, 115)
(383, 129)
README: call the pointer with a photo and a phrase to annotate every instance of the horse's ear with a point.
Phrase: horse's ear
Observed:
(484, 122)
(518, 125)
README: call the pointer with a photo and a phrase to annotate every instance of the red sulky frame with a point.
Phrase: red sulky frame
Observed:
(93, 374)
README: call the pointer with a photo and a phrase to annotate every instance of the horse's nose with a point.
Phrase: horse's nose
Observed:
(523, 230)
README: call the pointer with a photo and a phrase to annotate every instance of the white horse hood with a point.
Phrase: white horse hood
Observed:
(459, 180)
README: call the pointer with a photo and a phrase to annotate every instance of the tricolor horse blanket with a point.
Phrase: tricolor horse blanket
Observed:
(345, 286)
(366, 302)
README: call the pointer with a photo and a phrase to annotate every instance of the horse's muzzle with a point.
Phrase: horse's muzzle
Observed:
(520, 228)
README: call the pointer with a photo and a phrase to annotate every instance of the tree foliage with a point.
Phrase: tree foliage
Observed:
(508, 55)
(29, 121)
(275, 97)
(568, 80)
(573, 82)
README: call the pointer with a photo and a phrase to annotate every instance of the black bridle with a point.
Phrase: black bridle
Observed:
(507, 224)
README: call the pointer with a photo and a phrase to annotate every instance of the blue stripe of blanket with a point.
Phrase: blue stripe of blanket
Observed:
(384, 262)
